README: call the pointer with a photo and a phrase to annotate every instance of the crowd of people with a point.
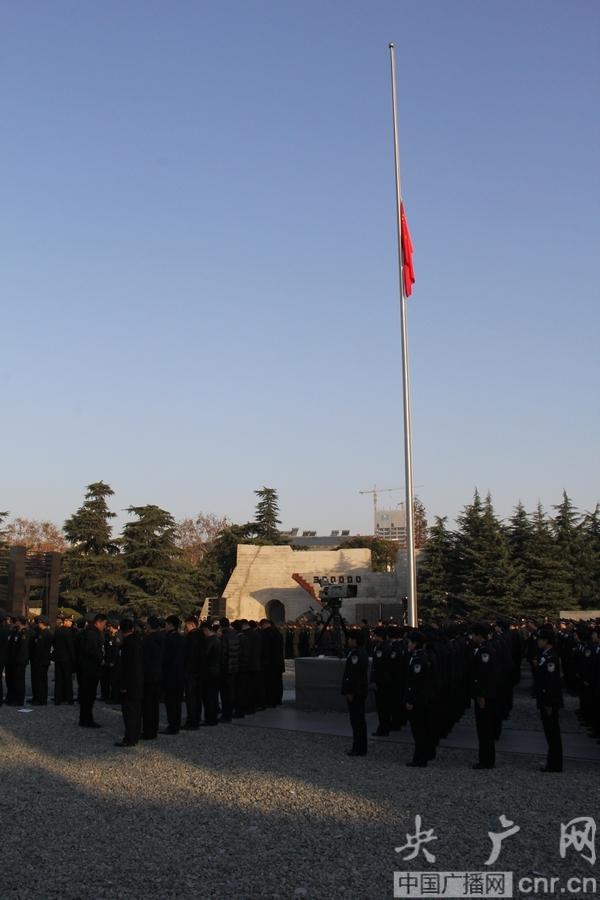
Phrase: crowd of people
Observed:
(213, 671)
(429, 677)
(210, 672)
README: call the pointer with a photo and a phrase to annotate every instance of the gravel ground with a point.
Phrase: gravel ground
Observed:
(234, 812)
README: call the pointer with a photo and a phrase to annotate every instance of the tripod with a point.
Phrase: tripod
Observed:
(339, 627)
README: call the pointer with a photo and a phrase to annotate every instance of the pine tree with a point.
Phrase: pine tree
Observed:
(569, 544)
(92, 572)
(437, 572)
(217, 565)
(519, 535)
(485, 572)
(420, 523)
(266, 517)
(590, 560)
(546, 591)
(158, 578)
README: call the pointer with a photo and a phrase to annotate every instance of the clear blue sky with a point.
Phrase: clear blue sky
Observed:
(198, 270)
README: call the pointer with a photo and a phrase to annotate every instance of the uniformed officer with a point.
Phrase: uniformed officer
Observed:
(131, 682)
(549, 697)
(381, 675)
(63, 652)
(17, 657)
(418, 696)
(40, 649)
(484, 691)
(90, 654)
(355, 687)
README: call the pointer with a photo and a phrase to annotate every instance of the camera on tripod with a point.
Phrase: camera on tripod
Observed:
(331, 595)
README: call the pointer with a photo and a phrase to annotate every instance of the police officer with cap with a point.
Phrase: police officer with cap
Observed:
(355, 687)
(484, 691)
(549, 697)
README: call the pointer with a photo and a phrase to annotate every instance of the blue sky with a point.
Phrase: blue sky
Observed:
(198, 270)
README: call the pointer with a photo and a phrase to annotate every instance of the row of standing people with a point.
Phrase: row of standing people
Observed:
(202, 668)
(430, 678)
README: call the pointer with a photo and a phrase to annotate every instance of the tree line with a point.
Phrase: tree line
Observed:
(532, 564)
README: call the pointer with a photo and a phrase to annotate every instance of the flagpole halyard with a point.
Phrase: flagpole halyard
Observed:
(408, 467)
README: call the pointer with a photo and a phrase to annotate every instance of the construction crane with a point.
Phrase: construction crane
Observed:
(376, 491)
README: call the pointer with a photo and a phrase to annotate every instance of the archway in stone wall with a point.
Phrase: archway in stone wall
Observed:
(275, 611)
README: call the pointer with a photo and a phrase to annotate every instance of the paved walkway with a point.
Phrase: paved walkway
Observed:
(576, 745)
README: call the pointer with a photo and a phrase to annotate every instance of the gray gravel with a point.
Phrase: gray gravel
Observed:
(234, 812)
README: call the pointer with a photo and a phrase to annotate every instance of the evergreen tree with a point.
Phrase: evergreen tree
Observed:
(420, 522)
(216, 567)
(437, 572)
(590, 560)
(92, 572)
(158, 578)
(266, 517)
(519, 535)
(570, 545)
(546, 590)
(484, 566)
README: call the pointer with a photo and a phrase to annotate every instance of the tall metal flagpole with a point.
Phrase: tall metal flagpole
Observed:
(408, 473)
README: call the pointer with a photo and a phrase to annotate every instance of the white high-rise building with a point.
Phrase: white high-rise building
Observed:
(390, 524)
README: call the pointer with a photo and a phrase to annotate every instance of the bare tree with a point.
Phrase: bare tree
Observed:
(39, 537)
(195, 535)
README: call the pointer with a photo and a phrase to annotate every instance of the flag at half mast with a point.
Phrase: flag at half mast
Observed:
(408, 272)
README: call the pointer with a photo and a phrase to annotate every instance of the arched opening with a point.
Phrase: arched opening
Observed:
(275, 611)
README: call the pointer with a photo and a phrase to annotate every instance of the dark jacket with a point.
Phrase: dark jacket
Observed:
(193, 641)
(381, 671)
(152, 652)
(548, 688)
(4, 633)
(355, 680)
(40, 647)
(63, 649)
(131, 669)
(17, 648)
(419, 680)
(230, 651)
(483, 674)
(254, 638)
(174, 661)
(90, 652)
(211, 657)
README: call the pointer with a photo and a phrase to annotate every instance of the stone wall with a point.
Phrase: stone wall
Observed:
(264, 574)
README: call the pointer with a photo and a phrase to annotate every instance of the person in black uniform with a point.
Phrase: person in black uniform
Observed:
(211, 673)
(17, 658)
(355, 687)
(4, 633)
(272, 663)
(230, 662)
(131, 682)
(63, 653)
(549, 697)
(484, 691)
(152, 651)
(381, 675)
(40, 650)
(192, 644)
(109, 663)
(90, 654)
(418, 696)
(173, 673)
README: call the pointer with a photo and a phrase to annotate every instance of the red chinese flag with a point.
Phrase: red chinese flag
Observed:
(407, 249)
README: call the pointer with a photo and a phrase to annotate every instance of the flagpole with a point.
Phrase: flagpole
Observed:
(413, 619)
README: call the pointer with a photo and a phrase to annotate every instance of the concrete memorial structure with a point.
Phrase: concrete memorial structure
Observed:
(282, 583)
